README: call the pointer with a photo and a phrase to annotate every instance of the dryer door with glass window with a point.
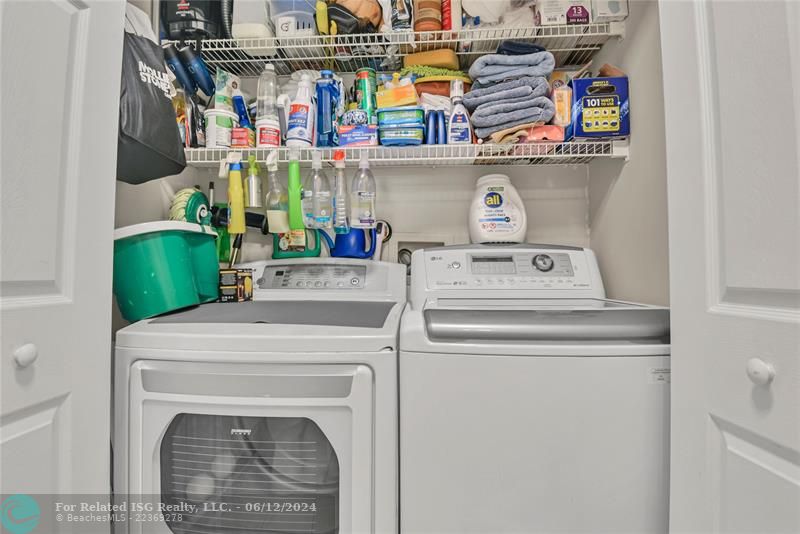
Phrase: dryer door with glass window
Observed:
(253, 448)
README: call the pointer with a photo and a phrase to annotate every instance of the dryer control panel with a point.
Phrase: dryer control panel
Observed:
(511, 271)
(327, 279)
(313, 277)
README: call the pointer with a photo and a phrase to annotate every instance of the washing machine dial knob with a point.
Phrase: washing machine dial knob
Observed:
(543, 262)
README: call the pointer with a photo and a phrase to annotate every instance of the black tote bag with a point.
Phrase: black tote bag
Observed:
(149, 144)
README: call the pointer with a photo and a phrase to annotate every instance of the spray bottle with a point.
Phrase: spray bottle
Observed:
(327, 102)
(317, 195)
(277, 202)
(459, 131)
(295, 244)
(294, 241)
(252, 187)
(340, 204)
(362, 196)
(236, 222)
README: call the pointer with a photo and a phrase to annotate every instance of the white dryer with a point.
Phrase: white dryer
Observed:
(277, 415)
(529, 403)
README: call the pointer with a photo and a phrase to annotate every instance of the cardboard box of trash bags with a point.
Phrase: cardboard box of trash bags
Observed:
(600, 108)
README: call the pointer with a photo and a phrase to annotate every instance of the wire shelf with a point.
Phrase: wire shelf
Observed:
(570, 44)
(544, 153)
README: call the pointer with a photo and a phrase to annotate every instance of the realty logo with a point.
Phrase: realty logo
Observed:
(20, 514)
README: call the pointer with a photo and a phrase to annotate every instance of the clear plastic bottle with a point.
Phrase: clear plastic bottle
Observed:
(266, 103)
(317, 195)
(322, 194)
(362, 196)
(268, 129)
(341, 224)
(277, 200)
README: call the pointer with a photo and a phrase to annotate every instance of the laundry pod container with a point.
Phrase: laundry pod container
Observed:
(163, 266)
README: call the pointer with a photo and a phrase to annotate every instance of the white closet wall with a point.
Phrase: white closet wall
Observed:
(414, 200)
(628, 201)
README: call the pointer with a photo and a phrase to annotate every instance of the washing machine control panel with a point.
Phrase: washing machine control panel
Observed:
(313, 276)
(523, 269)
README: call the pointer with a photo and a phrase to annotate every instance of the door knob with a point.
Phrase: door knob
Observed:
(26, 354)
(760, 372)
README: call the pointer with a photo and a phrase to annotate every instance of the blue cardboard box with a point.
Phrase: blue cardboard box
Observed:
(600, 108)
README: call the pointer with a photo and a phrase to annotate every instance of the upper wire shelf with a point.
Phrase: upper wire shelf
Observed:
(570, 44)
(542, 153)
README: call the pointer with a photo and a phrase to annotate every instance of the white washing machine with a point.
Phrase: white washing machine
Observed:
(529, 403)
(277, 415)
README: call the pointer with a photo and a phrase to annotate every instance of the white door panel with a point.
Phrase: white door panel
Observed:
(60, 64)
(733, 147)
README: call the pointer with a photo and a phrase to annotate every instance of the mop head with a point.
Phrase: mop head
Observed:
(190, 205)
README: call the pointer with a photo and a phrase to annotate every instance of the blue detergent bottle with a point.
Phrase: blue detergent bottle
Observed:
(327, 93)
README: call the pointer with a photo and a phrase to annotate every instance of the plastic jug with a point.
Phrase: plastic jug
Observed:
(278, 253)
(352, 244)
(497, 214)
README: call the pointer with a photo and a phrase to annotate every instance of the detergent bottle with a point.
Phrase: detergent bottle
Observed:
(300, 119)
(362, 196)
(497, 214)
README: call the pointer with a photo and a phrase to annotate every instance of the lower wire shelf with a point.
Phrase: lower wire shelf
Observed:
(543, 153)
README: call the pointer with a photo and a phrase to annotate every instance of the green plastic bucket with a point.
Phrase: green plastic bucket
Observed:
(163, 266)
(204, 263)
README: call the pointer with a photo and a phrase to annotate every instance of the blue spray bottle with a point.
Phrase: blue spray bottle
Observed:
(327, 93)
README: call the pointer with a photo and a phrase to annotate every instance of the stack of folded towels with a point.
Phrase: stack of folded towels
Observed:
(510, 91)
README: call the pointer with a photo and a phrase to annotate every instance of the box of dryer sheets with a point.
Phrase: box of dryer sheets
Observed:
(600, 108)
(557, 12)
(609, 10)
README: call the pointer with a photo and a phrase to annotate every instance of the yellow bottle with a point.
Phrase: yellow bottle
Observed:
(236, 224)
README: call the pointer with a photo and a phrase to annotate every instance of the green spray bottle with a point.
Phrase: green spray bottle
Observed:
(294, 243)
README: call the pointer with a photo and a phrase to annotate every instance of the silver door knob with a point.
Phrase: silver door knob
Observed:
(760, 372)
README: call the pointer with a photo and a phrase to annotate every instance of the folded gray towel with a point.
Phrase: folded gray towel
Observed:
(496, 67)
(491, 118)
(529, 87)
(491, 114)
(486, 81)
